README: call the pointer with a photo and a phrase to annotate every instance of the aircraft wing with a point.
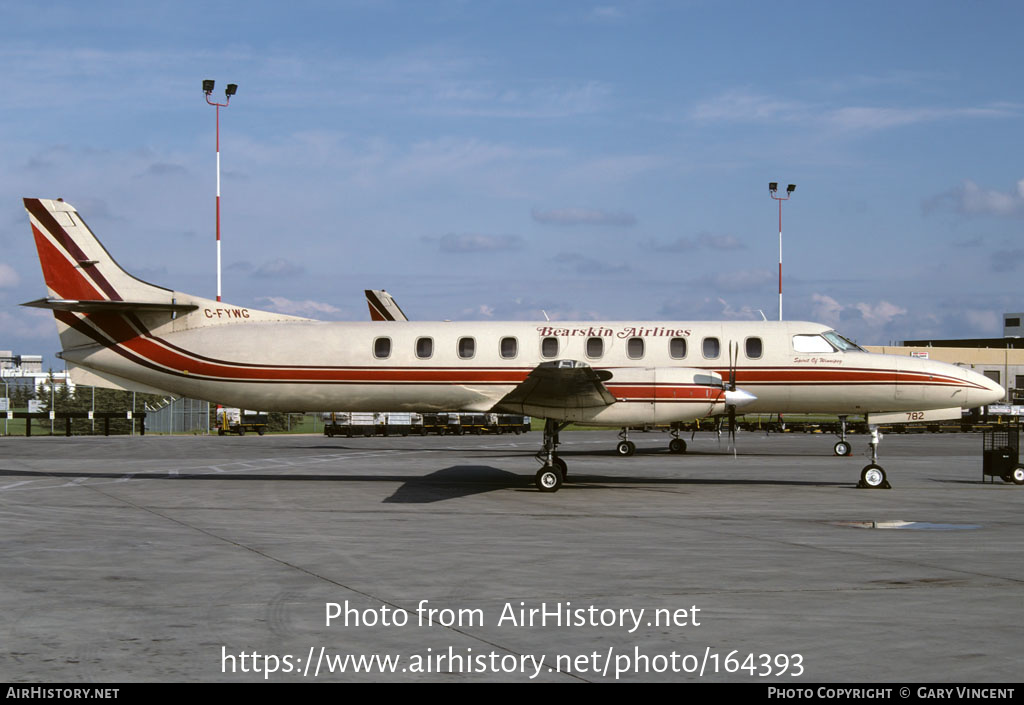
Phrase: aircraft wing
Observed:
(560, 384)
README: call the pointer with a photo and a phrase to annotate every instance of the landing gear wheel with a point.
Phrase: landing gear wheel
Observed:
(548, 479)
(677, 445)
(842, 448)
(560, 464)
(1018, 475)
(625, 448)
(873, 477)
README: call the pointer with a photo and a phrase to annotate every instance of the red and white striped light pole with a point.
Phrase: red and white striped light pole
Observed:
(228, 92)
(772, 188)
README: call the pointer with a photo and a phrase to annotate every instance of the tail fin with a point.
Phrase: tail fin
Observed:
(82, 278)
(383, 306)
(76, 266)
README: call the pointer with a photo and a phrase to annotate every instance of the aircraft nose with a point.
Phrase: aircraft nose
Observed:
(739, 398)
(991, 393)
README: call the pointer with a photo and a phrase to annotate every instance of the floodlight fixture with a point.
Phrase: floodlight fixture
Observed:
(233, 88)
(773, 186)
(791, 188)
(207, 86)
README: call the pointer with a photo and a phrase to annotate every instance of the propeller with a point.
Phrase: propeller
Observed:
(734, 397)
(734, 354)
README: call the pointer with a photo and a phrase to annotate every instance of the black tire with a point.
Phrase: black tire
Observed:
(625, 448)
(560, 464)
(1018, 475)
(873, 477)
(548, 479)
(842, 448)
(261, 430)
(241, 430)
(677, 445)
(220, 431)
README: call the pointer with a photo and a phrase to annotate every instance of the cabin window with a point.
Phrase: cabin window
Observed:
(467, 348)
(677, 348)
(755, 348)
(811, 344)
(595, 347)
(635, 348)
(509, 347)
(711, 348)
(549, 347)
(382, 348)
(424, 348)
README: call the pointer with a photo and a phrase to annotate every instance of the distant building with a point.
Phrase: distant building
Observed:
(1012, 327)
(25, 372)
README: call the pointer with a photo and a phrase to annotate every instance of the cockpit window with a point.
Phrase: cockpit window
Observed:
(841, 342)
(811, 344)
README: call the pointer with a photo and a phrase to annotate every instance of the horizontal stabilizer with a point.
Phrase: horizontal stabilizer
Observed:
(104, 306)
(560, 384)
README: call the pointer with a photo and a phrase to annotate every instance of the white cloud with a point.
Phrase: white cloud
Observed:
(738, 280)
(8, 277)
(880, 314)
(583, 216)
(745, 106)
(588, 266)
(279, 267)
(741, 106)
(825, 309)
(475, 242)
(28, 324)
(298, 308)
(970, 199)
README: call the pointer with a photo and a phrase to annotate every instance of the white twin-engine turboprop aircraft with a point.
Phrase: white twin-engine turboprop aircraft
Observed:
(118, 331)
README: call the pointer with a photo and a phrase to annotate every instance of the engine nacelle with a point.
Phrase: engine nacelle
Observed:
(656, 395)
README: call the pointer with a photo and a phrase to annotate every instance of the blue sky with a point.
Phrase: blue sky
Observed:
(487, 160)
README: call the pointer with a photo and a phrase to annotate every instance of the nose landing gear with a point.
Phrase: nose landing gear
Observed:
(842, 446)
(873, 476)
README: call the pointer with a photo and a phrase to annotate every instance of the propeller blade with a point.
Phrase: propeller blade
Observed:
(732, 429)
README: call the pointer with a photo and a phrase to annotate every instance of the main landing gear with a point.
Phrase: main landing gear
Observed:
(873, 476)
(626, 447)
(554, 470)
(842, 446)
(677, 444)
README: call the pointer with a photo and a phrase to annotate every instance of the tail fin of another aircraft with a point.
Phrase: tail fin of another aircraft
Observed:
(383, 306)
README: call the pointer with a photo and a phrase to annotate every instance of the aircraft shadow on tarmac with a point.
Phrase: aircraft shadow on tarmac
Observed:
(448, 483)
(826, 452)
